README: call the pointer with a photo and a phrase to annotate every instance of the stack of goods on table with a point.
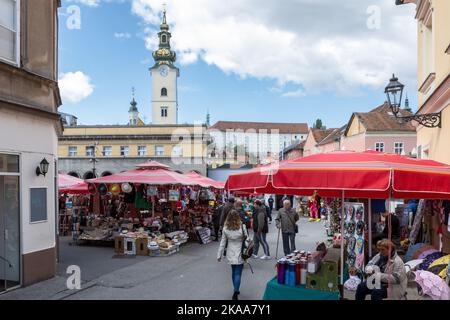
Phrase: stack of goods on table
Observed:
(316, 270)
(147, 243)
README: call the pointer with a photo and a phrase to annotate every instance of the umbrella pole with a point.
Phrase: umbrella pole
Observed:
(342, 238)
(370, 227)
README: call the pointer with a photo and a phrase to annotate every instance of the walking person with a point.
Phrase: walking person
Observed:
(216, 221)
(287, 220)
(270, 201)
(233, 235)
(260, 228)
(225, 211)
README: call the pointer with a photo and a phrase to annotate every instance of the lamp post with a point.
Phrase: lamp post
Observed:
(394, 93)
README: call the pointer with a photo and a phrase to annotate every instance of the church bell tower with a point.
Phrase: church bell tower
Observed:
(164, 83)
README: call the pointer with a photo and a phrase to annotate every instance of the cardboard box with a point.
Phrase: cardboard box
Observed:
(142, 246)
(119, 247)
(129, 246)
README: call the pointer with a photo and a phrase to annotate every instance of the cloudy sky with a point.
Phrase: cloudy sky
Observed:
(249, 60)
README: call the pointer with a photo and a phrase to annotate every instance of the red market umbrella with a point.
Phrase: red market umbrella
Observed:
(72, 185)
(152, 165)
(367, 174)
(205, 181)
(146, 176)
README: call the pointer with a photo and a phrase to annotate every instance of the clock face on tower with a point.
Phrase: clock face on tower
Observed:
(164, 71)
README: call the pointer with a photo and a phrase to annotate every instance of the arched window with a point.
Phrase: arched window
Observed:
(164, 92)
(164, 38)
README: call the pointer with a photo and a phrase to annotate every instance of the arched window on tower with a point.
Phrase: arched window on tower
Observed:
(164, 38)
(164, 92)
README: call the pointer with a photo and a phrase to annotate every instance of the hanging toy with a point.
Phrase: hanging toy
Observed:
(126, 187)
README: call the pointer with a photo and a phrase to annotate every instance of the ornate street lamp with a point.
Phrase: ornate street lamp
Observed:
(43, 168)
(394, 93)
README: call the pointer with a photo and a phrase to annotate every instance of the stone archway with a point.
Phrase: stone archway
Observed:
(106, 173)
(89, 175)
(74, 174)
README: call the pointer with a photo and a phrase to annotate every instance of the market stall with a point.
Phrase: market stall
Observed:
(344, 175)
(151, 210)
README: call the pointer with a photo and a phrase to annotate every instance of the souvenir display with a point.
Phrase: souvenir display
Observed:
(354, 228)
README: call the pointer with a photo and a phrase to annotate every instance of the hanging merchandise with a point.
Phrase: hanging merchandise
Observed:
(417, 222)
(126, 187)
(152, 191)
(354, 233)
(102, 189)
(140, 201)
(203, 196)
(174, 195)
(193, 195)
(92, 188)
(129, 196)
(115, 189)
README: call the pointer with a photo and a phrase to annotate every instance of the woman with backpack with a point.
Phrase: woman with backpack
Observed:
(234, 234)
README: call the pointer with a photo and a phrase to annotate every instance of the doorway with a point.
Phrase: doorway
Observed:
(9, 222)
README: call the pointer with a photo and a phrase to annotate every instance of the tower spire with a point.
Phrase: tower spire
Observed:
(407, 108)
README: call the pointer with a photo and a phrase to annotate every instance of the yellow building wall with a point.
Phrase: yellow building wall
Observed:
(190, 147)
(355, 127)
(434, 55)
(436, 140)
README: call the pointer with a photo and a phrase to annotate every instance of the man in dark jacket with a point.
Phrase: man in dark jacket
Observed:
(260, 228)
(270, 201)
(216, 221)
(225, 211)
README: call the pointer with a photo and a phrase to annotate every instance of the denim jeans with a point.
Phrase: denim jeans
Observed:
(288, 238)
(261, 239)
(236, 274)
(375, 294)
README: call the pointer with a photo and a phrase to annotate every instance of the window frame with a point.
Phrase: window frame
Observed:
(110, 151)
(395, 147)
(16, 61)
(156, 150)
(70, 154)
(90, 148)
(380, 143)
(139, 149)
(166, 113)
(122, 154)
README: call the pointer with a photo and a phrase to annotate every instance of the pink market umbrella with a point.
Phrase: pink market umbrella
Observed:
(432, 285)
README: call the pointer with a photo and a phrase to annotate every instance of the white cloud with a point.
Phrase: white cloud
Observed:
(89, 3)
(319, 45)
(75, 86)
(293, 94)
(122, 35)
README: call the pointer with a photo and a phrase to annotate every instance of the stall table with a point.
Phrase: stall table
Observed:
(276, 291)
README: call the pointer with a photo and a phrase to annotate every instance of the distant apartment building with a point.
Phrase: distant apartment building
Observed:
(377, 130)
(29, 129)
(380, 130)
(252, 142)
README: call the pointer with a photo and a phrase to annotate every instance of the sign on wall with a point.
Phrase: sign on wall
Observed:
(38, 204)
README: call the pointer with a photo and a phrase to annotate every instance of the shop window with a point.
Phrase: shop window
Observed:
(9, 163)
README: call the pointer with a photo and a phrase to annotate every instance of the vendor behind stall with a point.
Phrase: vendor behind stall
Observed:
(389, 270)
(395, 232)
